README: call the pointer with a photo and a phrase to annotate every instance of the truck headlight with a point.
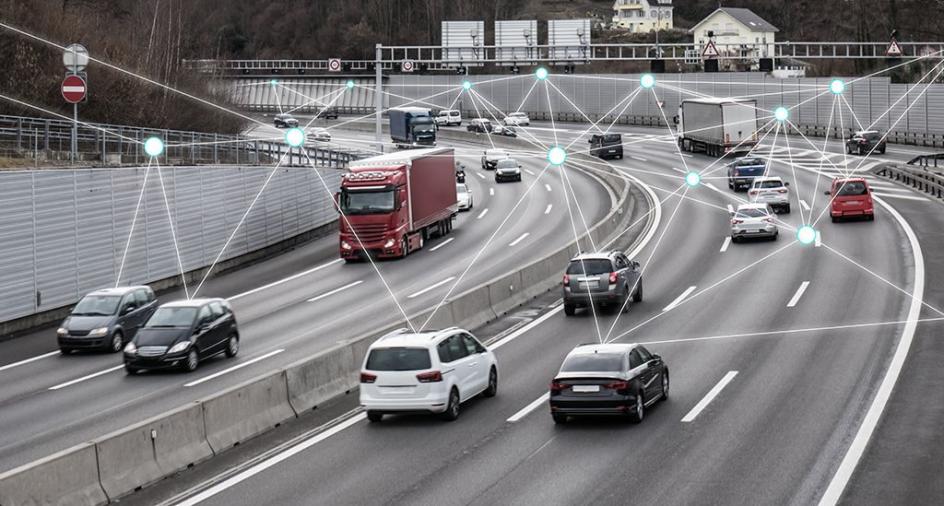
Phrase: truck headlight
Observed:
(389, 243)
(345, 245)
(181, 346)
(101, 331)
(62, 332)
(131, 349)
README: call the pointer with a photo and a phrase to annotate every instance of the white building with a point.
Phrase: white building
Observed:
(737, 32)
(642, 16)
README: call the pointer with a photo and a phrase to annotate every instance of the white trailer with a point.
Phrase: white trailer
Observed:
(717, 126)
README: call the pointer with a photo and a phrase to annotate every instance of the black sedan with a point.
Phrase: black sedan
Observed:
(866, 142)
(608, 379)
(182, 333)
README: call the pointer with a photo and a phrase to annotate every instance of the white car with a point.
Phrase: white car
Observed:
(770, 190)
(753, 220)
(449, 117)
(464, 194)
(491, 157)
(517, 119)
(321, 134)
(426, 372)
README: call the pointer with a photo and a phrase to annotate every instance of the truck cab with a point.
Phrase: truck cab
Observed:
(412, 127)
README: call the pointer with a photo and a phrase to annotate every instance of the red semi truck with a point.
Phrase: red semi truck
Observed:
(391, 204)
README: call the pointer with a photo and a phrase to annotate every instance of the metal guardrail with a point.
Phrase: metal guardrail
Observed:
(110, 145)
(928, 160)
(919, 178)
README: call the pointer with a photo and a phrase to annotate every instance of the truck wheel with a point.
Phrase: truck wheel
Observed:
(570, 309)
(405, 246)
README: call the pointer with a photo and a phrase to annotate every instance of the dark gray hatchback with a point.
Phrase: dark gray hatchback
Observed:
(601, 279)
(106, 319)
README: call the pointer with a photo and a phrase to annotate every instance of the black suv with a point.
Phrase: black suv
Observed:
(106, 319)
(603, 278)
(182, 333)
(608, 379)
(865, 142)
(328, 112)
(606, 145)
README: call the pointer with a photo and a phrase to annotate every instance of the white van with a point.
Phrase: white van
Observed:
(450, 117)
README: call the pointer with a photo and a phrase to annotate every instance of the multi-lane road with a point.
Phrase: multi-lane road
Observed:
(770, 382)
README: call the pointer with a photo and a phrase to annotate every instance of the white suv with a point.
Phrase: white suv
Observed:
(427, 372)
(770, 190)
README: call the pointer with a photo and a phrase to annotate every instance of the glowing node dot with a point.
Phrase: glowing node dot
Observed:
(647, 81)
(837, 86)
(295, 137)
(153, 146)
(541, 73)
(693, 178)
(274, 82)
(350, 84)
(806, 234)
(466, 85)
(781, 113)
(556, 155)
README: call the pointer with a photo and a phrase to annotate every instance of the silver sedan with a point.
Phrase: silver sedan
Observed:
(753, 220)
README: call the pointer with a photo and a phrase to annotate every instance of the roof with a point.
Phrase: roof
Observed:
(403, 337)
(720, 100)
(189, 302)
(746, 17)
(119, 290)
(589, 349)
(768, 178)
(600, 255)
(399, 157)
(752, 206)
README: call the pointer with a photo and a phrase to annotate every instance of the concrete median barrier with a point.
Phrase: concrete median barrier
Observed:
(246, 410)
(473, 308)
(67, 478)
(321, 378)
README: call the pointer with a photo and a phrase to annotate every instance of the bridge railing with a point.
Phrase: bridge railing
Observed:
(48, 140)
(919, 177)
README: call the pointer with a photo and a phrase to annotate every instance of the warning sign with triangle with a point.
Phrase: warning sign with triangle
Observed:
(893, 49)
(710, 50)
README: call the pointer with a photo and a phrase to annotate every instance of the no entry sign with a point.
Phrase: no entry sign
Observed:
(73, 89)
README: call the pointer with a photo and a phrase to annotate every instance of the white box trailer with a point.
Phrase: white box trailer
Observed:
(717, 126)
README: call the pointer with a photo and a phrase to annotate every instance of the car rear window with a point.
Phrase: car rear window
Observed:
(768, 184)
(853, 188)
(590, 267)
(612, 138)
(751, 213)
(749, 161)
(594, 362)
(398, 359)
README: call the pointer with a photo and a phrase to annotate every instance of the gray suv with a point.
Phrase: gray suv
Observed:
(106, 319)
(604, 278)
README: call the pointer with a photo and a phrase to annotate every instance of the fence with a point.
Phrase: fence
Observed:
(919, 177)
(49, 139)
(64, 231)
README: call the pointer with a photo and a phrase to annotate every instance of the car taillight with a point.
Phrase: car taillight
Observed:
(752, 192)
(769, 220)
(556, 387)
(617, 385)
(613, 277)
(429, 377)
(737, 222)
(782, 190)
(566, 279)
(368, 378)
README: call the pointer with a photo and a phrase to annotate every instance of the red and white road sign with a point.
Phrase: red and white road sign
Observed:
(893, 49)
(406, 66)
(710, 50)
(73, 89)
(334, 65)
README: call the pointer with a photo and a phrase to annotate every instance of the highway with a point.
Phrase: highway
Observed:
(288, 307)
(770, 384)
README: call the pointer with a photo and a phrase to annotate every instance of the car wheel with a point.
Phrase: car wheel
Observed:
(848, 150)
(232, 346)
(492, 389)
(665, 386)
(859, 151)
(559, 418)
(870, 217)
(882, 151)
(640, 412)
(192, 361)
(786, 209)
(637, 296)
(374, 417)
(570, 309)
(452, 409)
(66, 351)
(131, 371)
(117, 342)
(835, 219)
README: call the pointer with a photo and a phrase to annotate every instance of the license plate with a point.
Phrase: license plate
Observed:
(586, 388)
(589, 284)
(852, 203)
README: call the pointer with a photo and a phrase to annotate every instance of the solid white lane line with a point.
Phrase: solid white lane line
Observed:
(431, 287)
(638, 158)
(491, 191)
(83, 378)
(529, 408)
(519, 239)
(440, 245)
(901, 197)
(529, 172)
(234, 368)
(548, 209)
(798, 294)
(33, 359)
(819, 239)
(725, 244)
(483, 213)
(514, 335)
(276, 459)
(804, 205)
(678, 300)
(294, 276)
(730, 209)
(710, 396)
(547, 187)
(479, 174)
(336, 290)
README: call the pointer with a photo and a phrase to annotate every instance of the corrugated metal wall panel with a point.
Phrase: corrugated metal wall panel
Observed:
(514, 39)
(571, 38)
(460, 38)
(17, 283)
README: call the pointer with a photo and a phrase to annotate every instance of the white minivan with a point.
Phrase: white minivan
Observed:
(450, 117)
(426, 372)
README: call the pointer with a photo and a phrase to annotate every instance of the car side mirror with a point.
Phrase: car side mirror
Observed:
(826, 192)
(786, 184)
(127, 309)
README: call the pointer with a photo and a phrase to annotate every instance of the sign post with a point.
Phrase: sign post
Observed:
(75, 58)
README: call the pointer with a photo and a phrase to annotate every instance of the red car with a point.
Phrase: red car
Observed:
(851, 197)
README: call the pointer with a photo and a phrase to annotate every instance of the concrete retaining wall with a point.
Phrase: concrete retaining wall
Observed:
(246, 410)
(67, 478)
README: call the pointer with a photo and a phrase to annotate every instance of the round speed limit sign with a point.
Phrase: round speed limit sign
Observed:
(406, 66)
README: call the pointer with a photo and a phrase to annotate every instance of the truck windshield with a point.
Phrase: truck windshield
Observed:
(367, 201)
(422, 125)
